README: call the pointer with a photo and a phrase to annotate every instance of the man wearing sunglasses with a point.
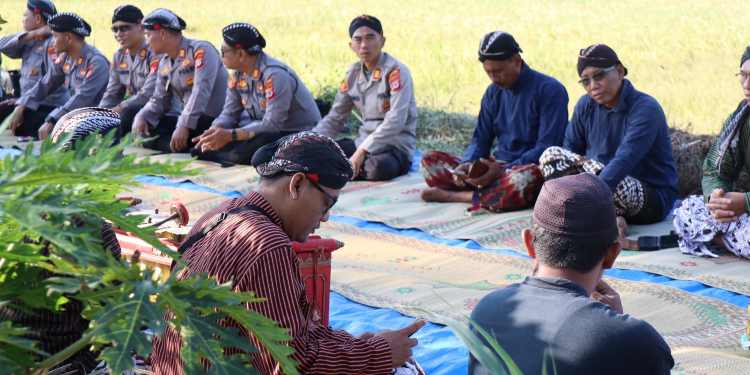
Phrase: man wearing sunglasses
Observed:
(620, 134)
(301, 177)
(34, 47)
(522, 113)
(132, 76)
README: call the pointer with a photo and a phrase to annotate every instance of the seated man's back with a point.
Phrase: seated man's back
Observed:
(582, 336)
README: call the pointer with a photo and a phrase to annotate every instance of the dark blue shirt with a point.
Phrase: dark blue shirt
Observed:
(523, 120)
(631, 139)
(582, 336)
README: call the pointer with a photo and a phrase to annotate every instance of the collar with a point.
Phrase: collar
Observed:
(623, 102)
(255, 198)
(523, 78)
(377, 73)
(257, 72)
(557, 284)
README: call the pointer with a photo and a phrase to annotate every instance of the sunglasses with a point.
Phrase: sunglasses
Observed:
(598, 76)
(328, 196)
(121, 28)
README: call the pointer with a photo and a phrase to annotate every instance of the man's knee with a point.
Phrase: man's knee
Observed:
(386, 165)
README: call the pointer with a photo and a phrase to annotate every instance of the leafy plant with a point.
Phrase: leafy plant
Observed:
(52, 208)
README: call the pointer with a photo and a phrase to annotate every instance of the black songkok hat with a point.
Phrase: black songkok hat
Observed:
(498, 45)
(245, 36)
(745, 56)
(67, 22)
(44, 7)
(164, 18)
(127, 13)
(313, 154)
(82, 122)
(599, 56)
(365, 20)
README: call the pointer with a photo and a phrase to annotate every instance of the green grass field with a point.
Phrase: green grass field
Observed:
(684, 53)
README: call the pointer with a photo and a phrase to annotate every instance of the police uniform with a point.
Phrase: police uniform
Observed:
(85, 77)
(385, 100)
(271, 102)
(37, 56)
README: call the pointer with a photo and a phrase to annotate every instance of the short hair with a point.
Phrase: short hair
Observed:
(568, 252)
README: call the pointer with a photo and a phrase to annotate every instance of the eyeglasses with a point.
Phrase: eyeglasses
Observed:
(121, 28)
(329, 197)
(598, 76)
(743, 76)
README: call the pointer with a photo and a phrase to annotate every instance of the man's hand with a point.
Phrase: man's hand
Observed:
(726, 207)
(45, 130)
(140, 128)
(494, 171)
(357, 160)
(117, 109)
(179, 140)
(17, 120)
(461, 173)
(8, 102)
(213, 139)
(39, 33)
(401, 343)
(608, 296)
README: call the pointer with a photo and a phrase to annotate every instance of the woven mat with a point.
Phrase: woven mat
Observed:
(162, 197)
(398, 204)
(428, 280)
(240, 178)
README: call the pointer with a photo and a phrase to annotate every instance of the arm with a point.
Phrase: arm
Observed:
(575, 134)
(484, 132)
(140, 98)
(232, 110)
(402, 93)
(115, 89)
(12, 45)
(157, 104)
(52, 80)
(279, 89)
(553, 116)
(335, 120)
(207, 66)
(86, 95)
(642, 128)
(318, 349)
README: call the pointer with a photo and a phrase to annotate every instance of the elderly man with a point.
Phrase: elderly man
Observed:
(381, 89)
(523, 112)
(34, 47)
(565, 316)
(189, 73)
(266, 100)
(133, 74)
(79, 66)
(301, 177)
(620, 134)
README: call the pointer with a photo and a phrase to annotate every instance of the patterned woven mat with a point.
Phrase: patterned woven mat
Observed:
(433, 281)
(398, 204)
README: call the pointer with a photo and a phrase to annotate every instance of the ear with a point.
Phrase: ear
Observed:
(528, 241)
(611, 254)
(382, 43)
(351, 46)
(295, 185)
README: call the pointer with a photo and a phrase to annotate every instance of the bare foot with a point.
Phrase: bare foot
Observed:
(433, 194)
(622, 232)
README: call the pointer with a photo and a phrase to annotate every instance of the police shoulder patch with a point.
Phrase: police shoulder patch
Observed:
(154, 66)
(394, 80)
(344, 86)
(198, 56)
(268, 88)
(90, 71)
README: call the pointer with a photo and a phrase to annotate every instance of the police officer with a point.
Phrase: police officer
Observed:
(132, 76)
(381, 89)
(34, 47)
(191, 72)
(79, 66)
(265, 101)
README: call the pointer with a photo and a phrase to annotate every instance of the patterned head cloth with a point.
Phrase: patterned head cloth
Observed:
(580, 205)
(127, 13)
(245, 36)
(306, 152)
(498, 45)
(67, 22)
(599, 56)
(365, 20)
(84, 121)
(163, 18)
(43, 7)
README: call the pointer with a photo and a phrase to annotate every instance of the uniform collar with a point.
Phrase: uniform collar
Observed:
(83, 56)
(523, 78)
(623, 102)
(557, 284)
(257, 72)
(377, 73)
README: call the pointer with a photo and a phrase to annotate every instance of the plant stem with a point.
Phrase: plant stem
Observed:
(67, 352)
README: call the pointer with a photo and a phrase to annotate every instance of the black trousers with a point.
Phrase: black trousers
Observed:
(384, 165)
(240, 152)
(126, 122)
(32, 120)
(167, 125)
